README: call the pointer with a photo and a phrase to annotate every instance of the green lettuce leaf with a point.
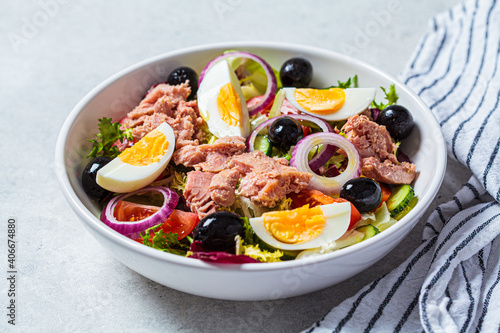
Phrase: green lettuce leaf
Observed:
(249, 234)
(336, 160)
(166, 242)
(391, 97)
(350, 83)
(251, 75)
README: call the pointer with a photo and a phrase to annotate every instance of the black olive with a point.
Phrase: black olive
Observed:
(398, 121)
(296, 72)
(89, 175)
(364, 193)
(285, 132)
(180, 75)
(182, 204)
(217, 231)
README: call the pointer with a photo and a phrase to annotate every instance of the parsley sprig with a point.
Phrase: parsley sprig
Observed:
(109, 133)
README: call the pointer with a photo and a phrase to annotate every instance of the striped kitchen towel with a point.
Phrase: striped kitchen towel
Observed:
(451, 283)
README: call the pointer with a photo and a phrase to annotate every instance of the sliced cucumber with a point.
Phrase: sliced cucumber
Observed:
(262, 143)
(400, 198)
(368, 230)
(407, 209)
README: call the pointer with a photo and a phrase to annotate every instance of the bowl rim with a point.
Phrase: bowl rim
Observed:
(94, 223)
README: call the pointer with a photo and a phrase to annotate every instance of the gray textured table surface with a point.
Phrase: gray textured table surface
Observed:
(52, 52)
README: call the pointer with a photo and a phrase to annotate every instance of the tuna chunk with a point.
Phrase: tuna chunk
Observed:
(223, 187)
(369, 138)
(197, 194)
(213, 157)
(175, 95)
(148, 124)
(163, 106)
(376, 148)
(388, 172)
(263, 179)
(186, 124)
(166, 103)
(189, 110)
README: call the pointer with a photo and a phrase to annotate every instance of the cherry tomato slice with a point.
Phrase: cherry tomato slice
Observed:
(181, 223)
(129, 211)
(386, 192)
(305, 130)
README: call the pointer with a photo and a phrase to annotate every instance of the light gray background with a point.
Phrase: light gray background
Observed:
(53, 52)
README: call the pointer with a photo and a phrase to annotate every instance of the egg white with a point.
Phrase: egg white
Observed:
(217, 76)
(120, 177)
(338, 216)
(356, 101)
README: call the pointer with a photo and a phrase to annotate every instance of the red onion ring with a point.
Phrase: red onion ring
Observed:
(330, 186)
(132, 229)
(322, 157)
(325, 127)
(272, 85)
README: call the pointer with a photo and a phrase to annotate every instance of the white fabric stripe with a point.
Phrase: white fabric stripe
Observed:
(455, 273)
(481, 106)
(451, 65)
(481, 87)
(453, 233)
(368, 308)
(487, 316)
(465, 195)
(397, 305)
(471, 66)
(451, 256)
(458, 58)
(474, 237)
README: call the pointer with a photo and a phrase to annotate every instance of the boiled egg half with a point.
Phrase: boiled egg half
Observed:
(141, 164)
(221, 102)
(303, 228)
(332, 104)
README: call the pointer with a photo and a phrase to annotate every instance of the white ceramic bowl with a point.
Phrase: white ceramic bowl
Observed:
(120, 93)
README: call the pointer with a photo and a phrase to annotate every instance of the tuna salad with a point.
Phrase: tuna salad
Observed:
(245, 163)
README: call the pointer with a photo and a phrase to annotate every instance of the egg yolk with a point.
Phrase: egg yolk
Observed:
(322, 101)
(295, 226)
(228, 104)
(147, 150)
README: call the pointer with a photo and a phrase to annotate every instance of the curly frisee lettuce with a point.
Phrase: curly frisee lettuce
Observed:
(390, 95)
